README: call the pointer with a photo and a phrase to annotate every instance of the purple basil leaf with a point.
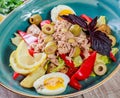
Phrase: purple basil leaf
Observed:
(66, 17)
(92, 24)
(75, 20)
(100, 42)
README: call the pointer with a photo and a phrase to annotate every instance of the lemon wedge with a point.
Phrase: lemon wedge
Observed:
(25, 60)
(16, 67)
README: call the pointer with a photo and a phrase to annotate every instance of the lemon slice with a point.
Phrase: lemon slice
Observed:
(25, 60)
(1, 18)
(16, 67)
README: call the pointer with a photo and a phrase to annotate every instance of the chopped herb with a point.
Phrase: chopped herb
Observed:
(6, 6)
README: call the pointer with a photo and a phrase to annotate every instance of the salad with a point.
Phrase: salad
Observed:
(52, 54)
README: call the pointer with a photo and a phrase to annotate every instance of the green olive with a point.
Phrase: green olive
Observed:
(75, 30)
(105, 29)
(100, 69)
(48, 29)
(35, 19)
(48, 39)
(113, 39)
(76, 51)
(50, 47)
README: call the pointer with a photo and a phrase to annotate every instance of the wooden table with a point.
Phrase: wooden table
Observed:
(110, 89)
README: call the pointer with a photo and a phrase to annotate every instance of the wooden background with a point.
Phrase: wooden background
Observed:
(110, 89)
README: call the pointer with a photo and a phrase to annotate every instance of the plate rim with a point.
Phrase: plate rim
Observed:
(56, 96)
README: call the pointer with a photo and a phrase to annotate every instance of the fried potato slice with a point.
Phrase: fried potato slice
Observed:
(28, 81)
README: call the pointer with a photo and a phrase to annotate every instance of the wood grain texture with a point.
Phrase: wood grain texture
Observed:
(111, 89)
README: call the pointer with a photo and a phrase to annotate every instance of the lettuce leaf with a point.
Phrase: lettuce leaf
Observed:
(77, 61)
(61, 64)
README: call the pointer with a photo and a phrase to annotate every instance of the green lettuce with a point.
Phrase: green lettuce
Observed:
(77, 61)
(60, 65)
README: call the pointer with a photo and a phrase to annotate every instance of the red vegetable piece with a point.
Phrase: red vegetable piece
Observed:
(75, 84)
(83, 72)
(45, 22)
(86, 18)
(86, 67)
(31, 52)
(112, 57)
(69, 63)
(71, 71)
(15, 75)
(28, 38)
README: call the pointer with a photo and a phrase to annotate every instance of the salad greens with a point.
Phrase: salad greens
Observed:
(77, 61)
(61, 64)
(6, 6)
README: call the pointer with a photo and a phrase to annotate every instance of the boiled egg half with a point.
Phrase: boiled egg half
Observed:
(60, 10)
(52, 83)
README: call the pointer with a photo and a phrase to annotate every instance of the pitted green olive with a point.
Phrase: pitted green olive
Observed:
(35, 19)
(75, 30)
(50, 47)
(100, 69)
(48, 29)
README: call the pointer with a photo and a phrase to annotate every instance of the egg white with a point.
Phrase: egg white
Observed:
(56, 10)
(46, 91)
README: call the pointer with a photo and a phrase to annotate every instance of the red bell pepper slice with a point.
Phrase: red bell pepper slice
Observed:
(28, 38)
(15, 75)
(86, 67)
(72, 69)
(69, 63)
(74, 83)
(31, 52)
(87, 18)
(45, 22)
(112, 57)
(84, 71)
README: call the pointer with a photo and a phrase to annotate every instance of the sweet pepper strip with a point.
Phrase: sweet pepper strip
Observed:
(112, 57)
(72, 69)
(75, 84)
(84, 71)
(87, 18)
(31, 51)
(15, 75)
(69, 63)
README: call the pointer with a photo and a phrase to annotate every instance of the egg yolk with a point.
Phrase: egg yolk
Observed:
(64, 12)
(54, 83)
